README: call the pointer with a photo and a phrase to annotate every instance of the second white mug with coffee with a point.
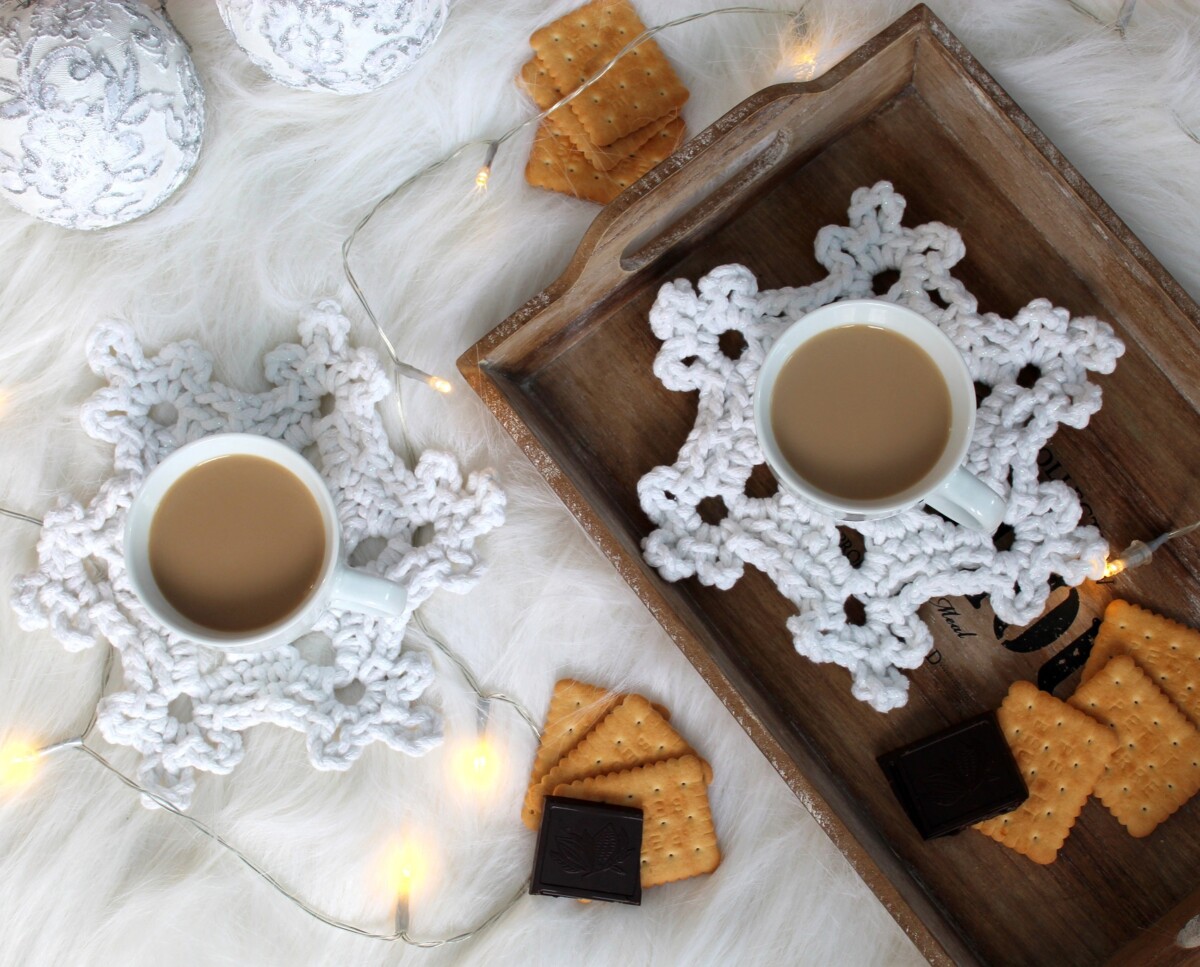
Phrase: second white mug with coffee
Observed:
(233, 542)
(864, 409)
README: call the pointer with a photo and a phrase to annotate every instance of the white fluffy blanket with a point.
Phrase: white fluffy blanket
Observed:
(87, 876)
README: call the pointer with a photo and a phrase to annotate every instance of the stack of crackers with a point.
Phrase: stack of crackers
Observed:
(1129, 735)
(620, 749)
(621, 126)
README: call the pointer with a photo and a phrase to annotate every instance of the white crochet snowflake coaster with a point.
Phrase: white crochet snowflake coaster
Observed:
(352, 682)
(916, 555)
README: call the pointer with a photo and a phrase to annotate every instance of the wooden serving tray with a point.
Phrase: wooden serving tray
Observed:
(570, 377)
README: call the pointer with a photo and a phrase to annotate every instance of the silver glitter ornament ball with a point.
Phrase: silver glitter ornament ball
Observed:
(101, 112)
(341, 46)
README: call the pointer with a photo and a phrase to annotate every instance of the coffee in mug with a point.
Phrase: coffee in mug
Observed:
(237, 543)
(864, 408)
(861, 412)
(234, 542)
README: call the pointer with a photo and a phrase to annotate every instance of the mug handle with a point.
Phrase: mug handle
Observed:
(367, 594)
(965, 498)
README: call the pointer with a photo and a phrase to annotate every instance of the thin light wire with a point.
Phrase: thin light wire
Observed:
(1184, 128)
(483, 699)
(104, 673)
(492, 146)
(401, 933)
(1159, 541)
(1121, 26)
(205, 830)
(1080, 8)
(1124, 15)
(483, 705)
(17, 515)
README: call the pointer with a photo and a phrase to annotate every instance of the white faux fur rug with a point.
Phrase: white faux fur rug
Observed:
(87, 876)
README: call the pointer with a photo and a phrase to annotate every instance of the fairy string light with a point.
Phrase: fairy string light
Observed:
(492, 147)
(19, 760)
(1140, 552)
(18, 766)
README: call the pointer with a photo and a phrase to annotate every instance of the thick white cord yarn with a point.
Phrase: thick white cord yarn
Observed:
(916, 555)
(184, 707)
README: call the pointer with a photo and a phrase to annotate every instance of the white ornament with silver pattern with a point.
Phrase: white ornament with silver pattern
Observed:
(340, 46)
(101, 112)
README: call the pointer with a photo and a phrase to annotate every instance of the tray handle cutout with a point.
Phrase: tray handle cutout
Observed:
(695, 193)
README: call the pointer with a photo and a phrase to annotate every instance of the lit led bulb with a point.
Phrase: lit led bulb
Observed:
(408, 371)
(405, 868)
(18, 764)
(804, 63)
(476, 765)
(484, 175)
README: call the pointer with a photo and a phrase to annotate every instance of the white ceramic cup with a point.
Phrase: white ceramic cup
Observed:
(337, 585)
(947, 487)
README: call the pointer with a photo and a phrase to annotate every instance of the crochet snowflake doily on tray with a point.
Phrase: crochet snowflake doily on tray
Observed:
(916, 555)
(352, 682)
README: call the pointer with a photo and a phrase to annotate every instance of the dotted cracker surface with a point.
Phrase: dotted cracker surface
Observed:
(1061, 753)
(678, 836)
(541, 87)
(913, 556)
(352, 682)
(638, 88)
(633, 733)
(555, 164)
(575, 707)
(1165, 650)
(1156, 767)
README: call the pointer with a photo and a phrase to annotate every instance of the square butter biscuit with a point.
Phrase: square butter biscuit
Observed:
(639, 88)
(541, 87)
(633, 733)
(555, 164)
(678, 836)
(574, 708)
(1165, 650)
(1061, 753)
(1156, 766)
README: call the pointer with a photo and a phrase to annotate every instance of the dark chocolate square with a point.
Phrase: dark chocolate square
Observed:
(958, 777)
(589, 850)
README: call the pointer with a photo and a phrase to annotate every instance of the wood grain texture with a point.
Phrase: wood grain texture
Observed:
(569, 375)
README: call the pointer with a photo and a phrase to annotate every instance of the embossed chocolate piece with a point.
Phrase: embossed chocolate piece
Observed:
(588, 850)
(958, 777)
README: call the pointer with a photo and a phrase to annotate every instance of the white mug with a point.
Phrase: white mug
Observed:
(337, 584)
(947, 487)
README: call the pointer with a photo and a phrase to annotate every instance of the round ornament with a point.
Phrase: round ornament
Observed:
(101, 112)
(341, 46)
